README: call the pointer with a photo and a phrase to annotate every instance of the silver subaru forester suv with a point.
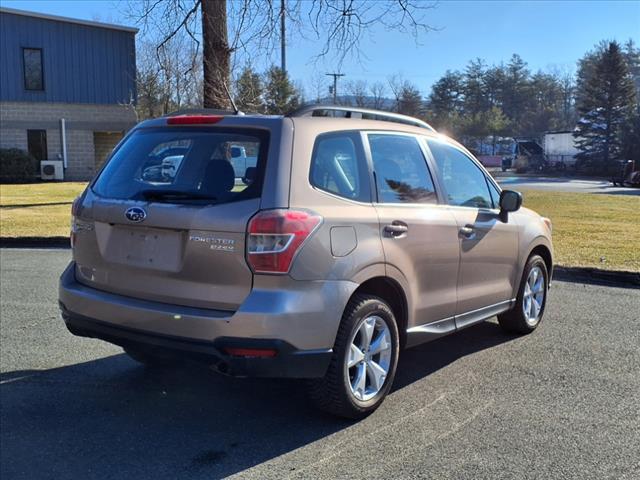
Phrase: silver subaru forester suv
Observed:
(316, 245)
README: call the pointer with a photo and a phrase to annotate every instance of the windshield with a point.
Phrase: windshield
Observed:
(186, 165)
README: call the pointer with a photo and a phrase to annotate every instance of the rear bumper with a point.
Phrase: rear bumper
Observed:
(288, 362)
(299, 323)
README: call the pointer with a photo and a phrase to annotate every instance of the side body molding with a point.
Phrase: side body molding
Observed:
(430, 331)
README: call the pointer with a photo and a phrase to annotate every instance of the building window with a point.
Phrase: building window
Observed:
(33, 77)
(37, 144)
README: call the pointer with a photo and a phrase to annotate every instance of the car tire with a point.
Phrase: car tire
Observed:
(148, 359)
(356, 391)
(528, 311)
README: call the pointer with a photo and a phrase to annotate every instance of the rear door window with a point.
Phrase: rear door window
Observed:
(184, 165)
(402, 175)
(338, 166)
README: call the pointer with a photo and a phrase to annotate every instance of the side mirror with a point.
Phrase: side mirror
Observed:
(510, 201)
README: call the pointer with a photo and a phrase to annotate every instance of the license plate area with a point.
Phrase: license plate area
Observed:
(151, 248)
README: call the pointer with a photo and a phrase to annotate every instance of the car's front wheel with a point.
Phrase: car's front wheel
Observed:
(531, 300)
(365, 357)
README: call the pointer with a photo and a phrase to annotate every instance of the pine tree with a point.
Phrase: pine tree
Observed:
(445, 102)
(249, 91)
(475, 99)
(606, 101)
(280, 96)
(410, 101)
(632, 57)
(516, 93)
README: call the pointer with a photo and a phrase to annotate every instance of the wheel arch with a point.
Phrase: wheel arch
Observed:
(540, 246)
(546, 255)
(391, 292)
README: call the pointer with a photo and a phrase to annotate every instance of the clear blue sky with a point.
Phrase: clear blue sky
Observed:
(547, 34)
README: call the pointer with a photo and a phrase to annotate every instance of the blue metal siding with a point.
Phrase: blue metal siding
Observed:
(82, 64)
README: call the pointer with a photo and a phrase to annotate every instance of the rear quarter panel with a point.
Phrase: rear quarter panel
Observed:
(325, 256)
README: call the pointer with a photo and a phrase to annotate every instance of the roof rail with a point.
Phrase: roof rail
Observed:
(356, 112)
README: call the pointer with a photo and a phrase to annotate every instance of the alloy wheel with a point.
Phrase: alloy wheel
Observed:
(533, 297)
(369, 358)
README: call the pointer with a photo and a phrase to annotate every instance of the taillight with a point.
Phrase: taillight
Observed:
(75, 208)
(194, 119)
(275, 236)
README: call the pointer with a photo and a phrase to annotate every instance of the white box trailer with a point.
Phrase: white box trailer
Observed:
(560, 148)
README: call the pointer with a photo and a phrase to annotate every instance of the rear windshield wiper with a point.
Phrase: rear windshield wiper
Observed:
(175, 195)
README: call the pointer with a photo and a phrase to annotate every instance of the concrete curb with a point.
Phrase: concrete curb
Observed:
(597, 276)
(571, 274)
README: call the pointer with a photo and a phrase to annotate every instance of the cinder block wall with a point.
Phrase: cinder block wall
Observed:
(81, 121)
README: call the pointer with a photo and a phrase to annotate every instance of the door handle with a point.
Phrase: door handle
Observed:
(396, 229)
(468, 232)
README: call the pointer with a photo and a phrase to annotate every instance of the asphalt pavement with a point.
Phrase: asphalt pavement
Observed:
(563, 402)
(561, 184)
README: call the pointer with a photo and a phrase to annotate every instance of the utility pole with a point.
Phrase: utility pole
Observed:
(335, 84)
(283, 42)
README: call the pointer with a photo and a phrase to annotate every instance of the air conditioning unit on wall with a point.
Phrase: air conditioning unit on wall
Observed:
(51, 170)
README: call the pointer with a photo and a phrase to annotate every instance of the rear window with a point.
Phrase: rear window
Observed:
(338, 166)
(185, 165)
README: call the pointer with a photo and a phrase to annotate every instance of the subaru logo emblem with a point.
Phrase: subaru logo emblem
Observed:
(135, 214)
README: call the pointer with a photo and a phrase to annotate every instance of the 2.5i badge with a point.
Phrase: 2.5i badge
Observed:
(215, 243)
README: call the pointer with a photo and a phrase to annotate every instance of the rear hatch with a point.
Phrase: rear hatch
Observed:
(166, 218)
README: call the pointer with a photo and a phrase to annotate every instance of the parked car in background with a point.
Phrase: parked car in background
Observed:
(241, 161)
(349, 241)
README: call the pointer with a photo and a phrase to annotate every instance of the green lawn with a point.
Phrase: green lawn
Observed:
(591, 227)
(589, 230)
(37, 210)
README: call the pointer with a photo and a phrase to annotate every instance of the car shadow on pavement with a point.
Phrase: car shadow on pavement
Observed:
(423, 360)
(111, 418)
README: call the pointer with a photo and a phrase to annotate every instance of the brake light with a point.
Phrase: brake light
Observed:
(275, 236)
(194, 119)
(75, 208)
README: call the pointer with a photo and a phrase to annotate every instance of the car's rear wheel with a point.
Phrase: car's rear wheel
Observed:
(531, 300)
(365, 357)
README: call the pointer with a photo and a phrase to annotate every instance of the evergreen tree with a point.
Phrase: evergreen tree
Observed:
(545, 105)
(445, 101)
(475, 99)
(410, 100)
(281, 96)
(606, 101)
(516, 93)
(632, 57)
(249, 91)
(494, 81)
(496, 125)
